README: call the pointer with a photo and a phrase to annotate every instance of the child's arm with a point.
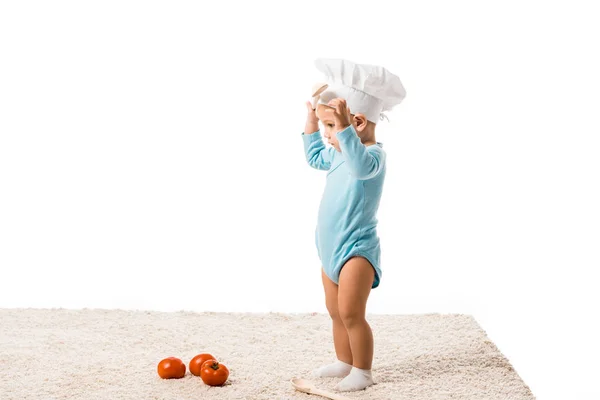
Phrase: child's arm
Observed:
(363, 162)
(314, 148)
(316, 153)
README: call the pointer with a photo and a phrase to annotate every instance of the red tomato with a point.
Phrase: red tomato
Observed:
(214, 373)
(196, 363)
(171, 367)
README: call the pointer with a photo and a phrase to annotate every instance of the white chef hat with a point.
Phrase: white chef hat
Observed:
(367, 89)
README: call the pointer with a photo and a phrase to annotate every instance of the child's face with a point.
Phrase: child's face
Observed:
(326, 118)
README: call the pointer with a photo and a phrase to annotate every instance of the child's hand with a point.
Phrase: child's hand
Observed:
(341, 114)
(312, 115)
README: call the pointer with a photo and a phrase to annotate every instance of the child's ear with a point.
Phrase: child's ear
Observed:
(361, 121)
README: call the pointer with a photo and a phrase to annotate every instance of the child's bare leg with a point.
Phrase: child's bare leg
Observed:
(341, 342)
(356, 280)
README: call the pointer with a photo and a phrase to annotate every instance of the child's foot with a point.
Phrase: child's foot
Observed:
(338, 369)
(358, 379)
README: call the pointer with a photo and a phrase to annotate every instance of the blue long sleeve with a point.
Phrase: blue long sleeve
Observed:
(316, 153)
(363, 162)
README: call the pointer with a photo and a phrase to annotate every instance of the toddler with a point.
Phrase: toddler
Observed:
(346, 234)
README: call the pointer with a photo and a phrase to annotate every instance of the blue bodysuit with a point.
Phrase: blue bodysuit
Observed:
(347, 223)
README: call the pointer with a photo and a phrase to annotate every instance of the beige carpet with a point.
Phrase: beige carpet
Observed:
(112, 354)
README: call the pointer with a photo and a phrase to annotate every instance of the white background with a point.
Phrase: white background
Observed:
(151, 158)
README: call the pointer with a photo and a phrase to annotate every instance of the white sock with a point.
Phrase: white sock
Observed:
(358, 379)
(338, 369)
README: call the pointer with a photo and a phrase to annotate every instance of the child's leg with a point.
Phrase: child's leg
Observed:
(343, 365)
(356, 280)
(341, 342)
